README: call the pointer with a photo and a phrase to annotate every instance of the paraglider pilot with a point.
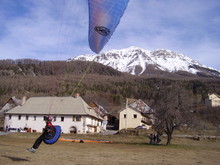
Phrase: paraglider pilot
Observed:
(48, 133)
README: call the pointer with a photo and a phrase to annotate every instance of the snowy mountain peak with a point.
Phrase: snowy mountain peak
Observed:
(136, 61)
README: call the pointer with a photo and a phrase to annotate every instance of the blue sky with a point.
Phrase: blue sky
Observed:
(58, 29)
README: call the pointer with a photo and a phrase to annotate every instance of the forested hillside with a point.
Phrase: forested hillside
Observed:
(100, 83)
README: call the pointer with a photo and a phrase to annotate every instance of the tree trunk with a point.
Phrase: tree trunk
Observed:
(169, 137)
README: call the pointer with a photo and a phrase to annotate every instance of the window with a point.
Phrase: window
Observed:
(125, 115)
(9, 117)
(35, 118)
(55, 118)
(27, 117)
(46, 118)
(135, 116)
(19, 117)
(76, 118)
(62, 118)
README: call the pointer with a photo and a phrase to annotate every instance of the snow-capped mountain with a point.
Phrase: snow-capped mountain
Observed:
(136, 61)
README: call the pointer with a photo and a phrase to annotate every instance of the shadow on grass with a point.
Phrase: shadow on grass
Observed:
(138, 143)
(15, 158)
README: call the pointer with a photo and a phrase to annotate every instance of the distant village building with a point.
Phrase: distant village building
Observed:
(73, 114)
(98, 108)
(136, 113)
(213, 100)
(101, 112)
(11, 103)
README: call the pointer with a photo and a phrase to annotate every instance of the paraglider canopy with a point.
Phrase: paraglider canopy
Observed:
(104, 16)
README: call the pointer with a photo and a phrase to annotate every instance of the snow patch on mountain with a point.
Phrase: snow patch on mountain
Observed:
(135, 60)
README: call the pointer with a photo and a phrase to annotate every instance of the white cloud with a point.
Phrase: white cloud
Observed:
(58, 29)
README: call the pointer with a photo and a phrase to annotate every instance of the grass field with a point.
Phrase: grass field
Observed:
(125, 149)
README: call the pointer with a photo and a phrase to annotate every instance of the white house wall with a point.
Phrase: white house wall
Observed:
(14, 122)
(92, 122)
(216, 102)
(39, 123)
(212, 101)
(68, 123)
(129, 121)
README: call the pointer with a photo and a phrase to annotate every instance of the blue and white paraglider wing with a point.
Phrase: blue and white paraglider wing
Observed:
(104, 16)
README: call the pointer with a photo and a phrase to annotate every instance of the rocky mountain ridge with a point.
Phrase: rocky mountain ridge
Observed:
(137, 61)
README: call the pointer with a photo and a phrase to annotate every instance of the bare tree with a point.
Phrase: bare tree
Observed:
(172, 110)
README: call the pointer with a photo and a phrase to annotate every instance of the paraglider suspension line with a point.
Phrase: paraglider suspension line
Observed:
(83, 76)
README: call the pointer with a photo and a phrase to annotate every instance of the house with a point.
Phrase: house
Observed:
(136, 113)
(102, 112)
(98, 108)
(72, 113)
(11, 103)
(213, 100)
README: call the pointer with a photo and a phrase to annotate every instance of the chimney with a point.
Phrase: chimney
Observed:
(77, 95)
(23, 100)
(126, 106)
